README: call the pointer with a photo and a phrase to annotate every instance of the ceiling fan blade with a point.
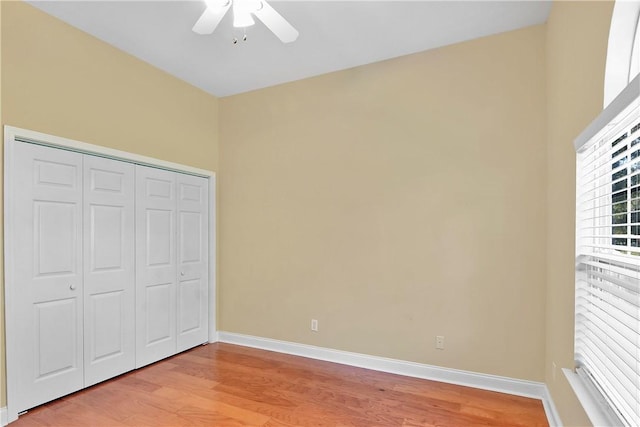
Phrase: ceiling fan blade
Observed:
(210, 19)
(276, 23)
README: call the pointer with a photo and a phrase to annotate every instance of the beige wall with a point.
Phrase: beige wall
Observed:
(58, 80)
(394, 202)
(577, 37)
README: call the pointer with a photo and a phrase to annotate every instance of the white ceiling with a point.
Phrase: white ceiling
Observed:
(334, 35)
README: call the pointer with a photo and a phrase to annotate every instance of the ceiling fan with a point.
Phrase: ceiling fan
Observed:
(242, 17)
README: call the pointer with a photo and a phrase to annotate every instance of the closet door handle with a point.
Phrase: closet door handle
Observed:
(182, 273)
(72, 287)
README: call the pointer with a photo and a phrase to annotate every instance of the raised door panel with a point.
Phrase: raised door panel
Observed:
(46, 328)
(193, 261)
(155, 265)
(109, 273)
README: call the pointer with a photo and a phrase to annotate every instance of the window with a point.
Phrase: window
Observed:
(607, 337)
(607, 334)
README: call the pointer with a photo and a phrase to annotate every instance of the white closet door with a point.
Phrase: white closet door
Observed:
(193, 257)
(155, 264)
(109, 268)
(47, 263)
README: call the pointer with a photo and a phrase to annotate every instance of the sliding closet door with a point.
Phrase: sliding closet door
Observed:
(155, 264)
(109, 268)
(45, 329)
(193, 257)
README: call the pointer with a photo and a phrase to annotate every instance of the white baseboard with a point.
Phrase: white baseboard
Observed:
(517, 387)
(3, 416)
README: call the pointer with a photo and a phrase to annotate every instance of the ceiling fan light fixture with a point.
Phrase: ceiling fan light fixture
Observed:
(242, 20)
(242, 14)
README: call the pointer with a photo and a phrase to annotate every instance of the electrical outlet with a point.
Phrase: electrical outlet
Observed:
(440, 342)
(314, 325)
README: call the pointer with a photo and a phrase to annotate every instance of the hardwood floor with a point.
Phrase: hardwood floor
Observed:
(226, 385)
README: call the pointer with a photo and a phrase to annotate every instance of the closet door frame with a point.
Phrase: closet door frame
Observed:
(14, 135)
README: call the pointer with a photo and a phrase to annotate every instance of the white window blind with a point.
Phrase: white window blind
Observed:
(607, 335)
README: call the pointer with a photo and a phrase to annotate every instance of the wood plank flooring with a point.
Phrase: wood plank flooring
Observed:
(226, 385)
